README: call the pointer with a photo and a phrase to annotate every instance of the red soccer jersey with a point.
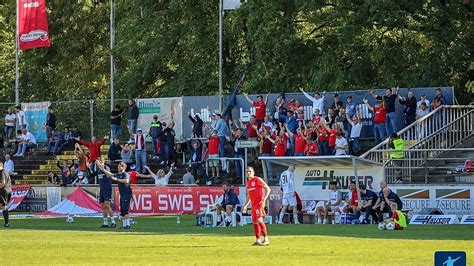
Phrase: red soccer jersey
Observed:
(260, 109)
(213, 145)
(323, 134)
(332, 138)
(379, 115)
(133, 177)
(354, 198)
(311, 149)
(280, 146)
(255, 189)
(316, 120)
(300, 144)
(266, 146)
(251, 133)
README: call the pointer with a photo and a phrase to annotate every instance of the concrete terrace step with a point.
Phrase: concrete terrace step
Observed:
(30, 182)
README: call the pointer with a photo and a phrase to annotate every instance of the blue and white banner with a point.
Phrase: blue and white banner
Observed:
(35, 114)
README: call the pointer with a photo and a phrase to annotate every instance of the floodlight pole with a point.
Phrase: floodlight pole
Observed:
(112, 62)
(17, 67)
(221, 14)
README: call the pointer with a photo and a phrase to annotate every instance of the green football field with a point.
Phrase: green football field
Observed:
(159, 240)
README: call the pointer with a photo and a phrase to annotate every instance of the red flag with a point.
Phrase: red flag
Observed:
(32, 24)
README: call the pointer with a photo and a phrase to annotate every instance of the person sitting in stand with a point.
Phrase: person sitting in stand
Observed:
(114, 151)
(229, 200)
(161, 178)
(53, 179)
(28, 141)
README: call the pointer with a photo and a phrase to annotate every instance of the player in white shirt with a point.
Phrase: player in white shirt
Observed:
(287, 184)
(333, 205)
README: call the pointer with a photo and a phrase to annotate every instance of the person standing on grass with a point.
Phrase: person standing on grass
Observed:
(5, 194)
(257, 193)
(125, 190)
(105, 194)
(287, 181)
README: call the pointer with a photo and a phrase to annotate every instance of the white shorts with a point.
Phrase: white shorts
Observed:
(289, 199)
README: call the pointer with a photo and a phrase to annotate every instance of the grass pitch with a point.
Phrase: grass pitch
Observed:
(158, 240)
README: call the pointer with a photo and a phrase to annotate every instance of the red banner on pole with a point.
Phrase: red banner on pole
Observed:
(32, 24)
(171, 200)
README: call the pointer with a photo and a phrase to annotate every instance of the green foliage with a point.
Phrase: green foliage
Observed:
(170, 47)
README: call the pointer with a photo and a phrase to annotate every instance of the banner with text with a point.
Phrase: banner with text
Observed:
(171, 200)
(167, 110)
(32, 24)
(35, 114)
(18, 195)
(312, 183)
(451, 200)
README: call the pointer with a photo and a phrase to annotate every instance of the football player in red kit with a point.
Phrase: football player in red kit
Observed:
(257, 194)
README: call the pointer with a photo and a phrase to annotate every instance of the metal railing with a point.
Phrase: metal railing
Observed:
(418, 164)
(443, 127)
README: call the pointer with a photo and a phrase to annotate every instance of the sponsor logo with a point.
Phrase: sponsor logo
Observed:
(467, 219)
(450, 258)
(323, 177)
(433, 219)
(31, 5)
(34, 35)
(149, 106)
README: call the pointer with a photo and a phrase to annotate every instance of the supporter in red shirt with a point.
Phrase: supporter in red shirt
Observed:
(311, 148)
(213, 151)
(280, 143)
(266, 147)
(323, 139)
(134, 175)
(93, 146)
(332, 136)
(252, 127)
(260, 107)
(316, 117)
(380, 113)
(300, 141)
(299, 111)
